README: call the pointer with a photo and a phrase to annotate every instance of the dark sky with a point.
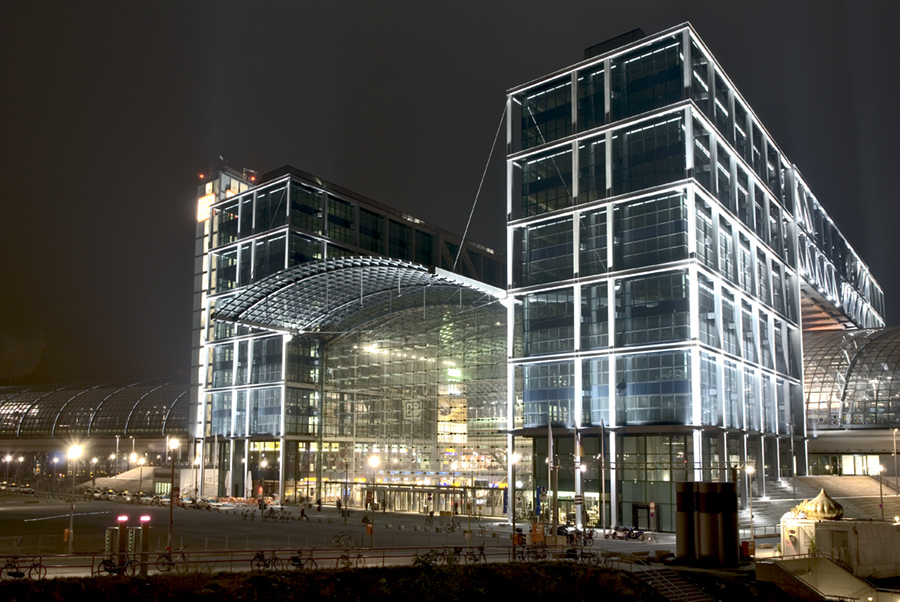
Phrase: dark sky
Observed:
(109, 110)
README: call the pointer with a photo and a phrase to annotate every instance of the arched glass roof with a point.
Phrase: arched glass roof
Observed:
(145, 408)
(852, 378)
(310, 296)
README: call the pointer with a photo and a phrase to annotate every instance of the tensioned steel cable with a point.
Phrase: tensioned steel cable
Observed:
(480, 185)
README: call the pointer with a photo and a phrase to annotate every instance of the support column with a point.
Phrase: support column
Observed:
(761, 467)
(281, 457)
(579, 483)
(613, 480)
(723, 457)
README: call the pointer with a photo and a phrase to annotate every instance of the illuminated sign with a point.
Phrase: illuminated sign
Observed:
(203, 205)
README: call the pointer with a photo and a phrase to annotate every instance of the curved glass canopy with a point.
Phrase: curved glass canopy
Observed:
(145, 408)
(309, 297)
(852, 378)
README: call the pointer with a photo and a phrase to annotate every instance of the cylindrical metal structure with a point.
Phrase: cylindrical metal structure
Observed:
(730, 552)
(684, 520)
(708, 508)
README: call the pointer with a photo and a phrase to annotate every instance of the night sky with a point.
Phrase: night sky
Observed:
(109, 110)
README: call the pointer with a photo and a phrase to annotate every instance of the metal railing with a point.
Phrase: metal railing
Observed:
(293, 558)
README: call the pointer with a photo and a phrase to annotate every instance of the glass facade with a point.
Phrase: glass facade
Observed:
(661, 287)
(383, 366)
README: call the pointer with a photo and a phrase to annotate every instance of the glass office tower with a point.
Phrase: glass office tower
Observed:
(670, 256)
(332, 329)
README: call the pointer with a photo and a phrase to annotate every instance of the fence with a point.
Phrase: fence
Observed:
(349, 555)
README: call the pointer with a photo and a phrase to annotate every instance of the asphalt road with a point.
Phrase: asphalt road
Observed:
(224, 541)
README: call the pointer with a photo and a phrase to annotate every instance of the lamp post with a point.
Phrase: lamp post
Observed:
(750, 471)
(196, 469)
(896, 485)
(262, 476)
(373, 462)
(93, 474)
(73, 455)
(345, 492)
(141, 476)
(19, 470)
(173, 445)
(513, 459)
(7, 459)
(879, 469)
(55, 474)
(132, 460)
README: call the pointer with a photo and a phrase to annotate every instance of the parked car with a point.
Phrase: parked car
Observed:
(206, 503)
(124, 497)
(144, 499)
(26, 490)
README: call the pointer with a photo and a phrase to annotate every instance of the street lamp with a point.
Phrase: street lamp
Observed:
(373, 462)
(750, 471)
(73, 455)
(878, 470)
(896, 486)
(93, 474)
(196, 470)
(173, 445)
(263, 464)
(19, 470)
(513, 459)
(141, 476)
(345, 491)
(7, 459)
(55, 474)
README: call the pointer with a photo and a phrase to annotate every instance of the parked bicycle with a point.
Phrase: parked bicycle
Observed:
(350, 560)
(261, 562)
(304, 560)
(580, 538)
(248, 514)
(276, 515)
(453, 527)
(172, 559)
(111, 566)
(475, 555)
(344, 539)
(449, 556)
(19, 568)
(485, 531)
(583, 556)
(537, 552)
